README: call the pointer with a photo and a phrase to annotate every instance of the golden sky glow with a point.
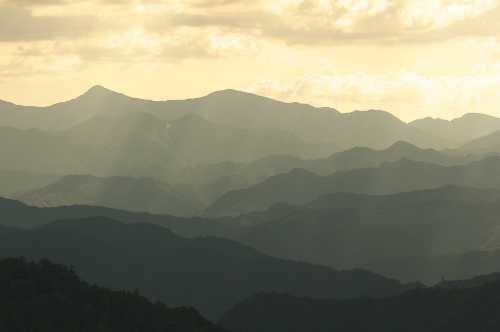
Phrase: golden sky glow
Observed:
(414, 58)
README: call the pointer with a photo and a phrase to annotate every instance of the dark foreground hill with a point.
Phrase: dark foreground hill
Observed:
(444, 310)
(45, 296)
(209, 274)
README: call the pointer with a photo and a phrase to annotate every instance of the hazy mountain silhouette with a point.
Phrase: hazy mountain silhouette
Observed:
(249, 110)
(363, 157)
(261, 169)
(18, 215)
(227, 106)
(28, 117)
(198, 140)
(12, 183)
(299, 186)
(468, 310)
(432, 268)
(345, 200)
(81, 153)
(489, 141)
(465, 128)
(208, 273)
(119, 192)
(351, 237)
(110, 146)
(375, 129)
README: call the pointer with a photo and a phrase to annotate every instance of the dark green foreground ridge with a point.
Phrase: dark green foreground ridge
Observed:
(438, 309)
(45, 296)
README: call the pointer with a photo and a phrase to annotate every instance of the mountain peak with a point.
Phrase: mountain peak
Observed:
(402, 146)
(190, 120)
(477, 116)
(99, 90)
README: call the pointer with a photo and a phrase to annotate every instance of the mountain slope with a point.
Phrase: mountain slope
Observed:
(488, 141)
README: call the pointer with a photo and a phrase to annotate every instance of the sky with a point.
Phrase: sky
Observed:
(413, 58)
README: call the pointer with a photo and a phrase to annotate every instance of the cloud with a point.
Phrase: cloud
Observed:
(307, 22)
(30, 3)
(17, 24)
(186, 43)
(395, 90)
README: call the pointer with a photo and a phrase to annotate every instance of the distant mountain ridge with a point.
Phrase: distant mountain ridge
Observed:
(245, 110)
(299, 186)
(467, 127)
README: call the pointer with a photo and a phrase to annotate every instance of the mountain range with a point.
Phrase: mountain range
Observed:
(375, 129)
(195, 188)
(205, 202)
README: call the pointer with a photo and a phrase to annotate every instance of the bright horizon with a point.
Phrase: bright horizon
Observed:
(414, 59)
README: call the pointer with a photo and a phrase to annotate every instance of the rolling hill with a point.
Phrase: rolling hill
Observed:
(208, 273)
(485, 142)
